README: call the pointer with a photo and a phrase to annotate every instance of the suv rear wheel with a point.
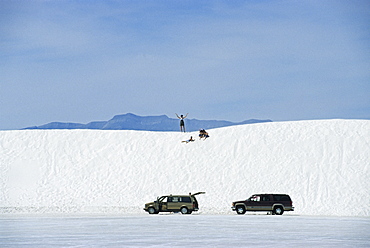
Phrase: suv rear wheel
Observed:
(279, 210)
(240, 209)
(184, 210)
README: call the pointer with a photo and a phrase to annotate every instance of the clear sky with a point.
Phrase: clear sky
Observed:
(82, 61)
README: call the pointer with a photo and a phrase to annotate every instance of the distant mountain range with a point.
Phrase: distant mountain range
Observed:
(148, 123)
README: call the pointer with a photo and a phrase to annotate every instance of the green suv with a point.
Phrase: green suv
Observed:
(185, 204)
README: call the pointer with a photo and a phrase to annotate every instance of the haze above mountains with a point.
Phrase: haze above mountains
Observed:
(131, 121)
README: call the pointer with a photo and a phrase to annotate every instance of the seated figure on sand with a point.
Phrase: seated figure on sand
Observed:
(203, 134)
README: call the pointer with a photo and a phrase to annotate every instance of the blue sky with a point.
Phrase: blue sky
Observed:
(82, 61)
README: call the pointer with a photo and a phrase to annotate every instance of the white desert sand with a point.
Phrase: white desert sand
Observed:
(322, 164)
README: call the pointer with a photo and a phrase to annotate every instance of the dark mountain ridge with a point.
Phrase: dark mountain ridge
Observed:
(131, 121)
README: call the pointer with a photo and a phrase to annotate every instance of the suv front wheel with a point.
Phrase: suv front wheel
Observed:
(240, 209)
(151, 210)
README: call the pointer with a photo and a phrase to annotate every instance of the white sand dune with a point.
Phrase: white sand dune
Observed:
(323, 165)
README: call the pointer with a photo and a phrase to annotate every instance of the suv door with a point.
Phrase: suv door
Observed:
(163, 203)
(198, 193)
(173, 203)
(254, 203)
(266, 202)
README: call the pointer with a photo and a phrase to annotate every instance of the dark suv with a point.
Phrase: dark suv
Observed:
(274, 203)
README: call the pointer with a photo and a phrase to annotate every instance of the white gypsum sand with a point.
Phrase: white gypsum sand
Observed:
(323, 165)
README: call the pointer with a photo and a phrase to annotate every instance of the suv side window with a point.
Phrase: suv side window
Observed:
(285, 198)
(281, 198)
(265, 198)
(255, 198)
(185, 199)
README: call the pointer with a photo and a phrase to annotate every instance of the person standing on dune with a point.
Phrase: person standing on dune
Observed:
(182, 123)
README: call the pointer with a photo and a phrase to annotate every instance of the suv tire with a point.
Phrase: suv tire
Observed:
(240, 209)
(279, 210)
(151, 210)
(184, 210)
